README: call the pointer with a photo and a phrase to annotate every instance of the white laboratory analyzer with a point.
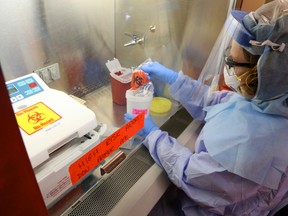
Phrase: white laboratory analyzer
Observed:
(50, 121)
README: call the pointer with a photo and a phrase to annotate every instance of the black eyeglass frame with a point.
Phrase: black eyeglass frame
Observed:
(231, 63)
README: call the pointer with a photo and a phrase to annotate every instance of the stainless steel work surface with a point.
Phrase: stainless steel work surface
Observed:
(100, 101)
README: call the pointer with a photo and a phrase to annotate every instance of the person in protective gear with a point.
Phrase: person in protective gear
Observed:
(240, 163)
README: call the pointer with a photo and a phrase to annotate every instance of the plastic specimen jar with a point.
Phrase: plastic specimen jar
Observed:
(137, 104)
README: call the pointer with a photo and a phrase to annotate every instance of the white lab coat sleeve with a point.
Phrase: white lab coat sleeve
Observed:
(203, 179)
(194, 95)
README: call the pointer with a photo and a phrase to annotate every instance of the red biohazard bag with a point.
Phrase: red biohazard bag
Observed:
(139, 79)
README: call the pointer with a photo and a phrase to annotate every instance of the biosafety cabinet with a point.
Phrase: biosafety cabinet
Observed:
(57, 108)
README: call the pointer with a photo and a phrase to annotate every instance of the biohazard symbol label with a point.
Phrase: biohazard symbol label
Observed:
(36, 117)
(139, 78)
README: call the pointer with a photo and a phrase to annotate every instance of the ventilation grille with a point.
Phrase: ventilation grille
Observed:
(177, 123)
(102, 199)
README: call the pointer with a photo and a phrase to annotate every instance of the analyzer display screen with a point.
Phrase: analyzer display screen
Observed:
(12, 89)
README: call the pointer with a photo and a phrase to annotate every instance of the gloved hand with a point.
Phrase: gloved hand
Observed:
(155, 69)
(149, 125)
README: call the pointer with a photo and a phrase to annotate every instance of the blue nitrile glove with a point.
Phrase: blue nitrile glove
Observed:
(149, 125)
(155, 69)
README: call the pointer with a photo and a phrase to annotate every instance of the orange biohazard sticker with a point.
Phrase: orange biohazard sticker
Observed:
(36, 117)
(96, 155)
(139, 78)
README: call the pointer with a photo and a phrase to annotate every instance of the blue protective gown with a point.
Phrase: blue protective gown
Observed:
(241, 155)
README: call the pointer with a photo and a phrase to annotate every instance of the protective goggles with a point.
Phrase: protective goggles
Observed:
(231, 63)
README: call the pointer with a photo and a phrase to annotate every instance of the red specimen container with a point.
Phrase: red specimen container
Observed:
(120, 83)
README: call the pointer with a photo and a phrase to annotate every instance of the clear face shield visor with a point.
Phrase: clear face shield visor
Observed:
(219, 64)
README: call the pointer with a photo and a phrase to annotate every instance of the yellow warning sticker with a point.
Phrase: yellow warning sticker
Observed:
(36, 117)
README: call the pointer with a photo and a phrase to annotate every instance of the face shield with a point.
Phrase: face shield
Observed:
(219, 62)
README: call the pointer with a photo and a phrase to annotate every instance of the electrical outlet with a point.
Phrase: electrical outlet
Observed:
(49, 74)
(54, 71)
